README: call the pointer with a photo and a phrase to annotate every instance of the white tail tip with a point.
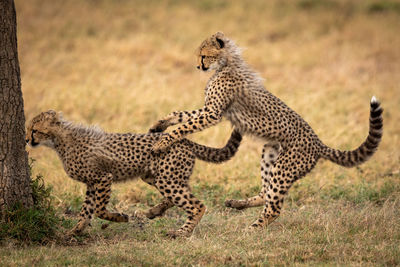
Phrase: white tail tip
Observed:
(374, 100)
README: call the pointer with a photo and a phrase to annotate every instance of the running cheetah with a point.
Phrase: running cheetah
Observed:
(97, 158)
(292, 148)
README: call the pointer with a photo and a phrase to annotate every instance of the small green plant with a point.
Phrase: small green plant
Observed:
(38, 224)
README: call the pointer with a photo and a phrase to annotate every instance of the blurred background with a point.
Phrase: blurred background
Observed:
(124, 64)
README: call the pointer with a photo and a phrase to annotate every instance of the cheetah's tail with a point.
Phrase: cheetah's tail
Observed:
(216, 155)
(366, 149)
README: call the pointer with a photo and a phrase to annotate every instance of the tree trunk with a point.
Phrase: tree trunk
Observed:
(14, 169)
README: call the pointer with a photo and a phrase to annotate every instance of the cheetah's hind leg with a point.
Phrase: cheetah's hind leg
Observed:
(269, 155)
(281, 179)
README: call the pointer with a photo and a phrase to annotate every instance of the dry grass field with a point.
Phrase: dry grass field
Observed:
(124, 64)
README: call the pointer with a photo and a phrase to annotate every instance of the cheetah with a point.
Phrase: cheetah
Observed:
(97, 158)
(291, 148)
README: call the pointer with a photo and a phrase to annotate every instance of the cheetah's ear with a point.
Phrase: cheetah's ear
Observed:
(219, 37)
(57, 118)
(54, 116)
(220, 42)
(51, 113)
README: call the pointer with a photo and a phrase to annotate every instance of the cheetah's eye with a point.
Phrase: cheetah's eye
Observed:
(203, 57)
(36, 132)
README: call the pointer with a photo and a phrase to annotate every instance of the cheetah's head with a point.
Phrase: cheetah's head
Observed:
(215, 52)
(40, 130)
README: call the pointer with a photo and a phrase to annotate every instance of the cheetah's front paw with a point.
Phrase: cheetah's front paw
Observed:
(159, 127)
(74, 232)
(255, 226)
(178, 233)
(262, 223)
(79, 227)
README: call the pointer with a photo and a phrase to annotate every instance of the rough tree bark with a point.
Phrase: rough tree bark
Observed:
(14, 170)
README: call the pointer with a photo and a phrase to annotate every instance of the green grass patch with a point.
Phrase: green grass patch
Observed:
(362, 192)
(36, 225)
(384, 6)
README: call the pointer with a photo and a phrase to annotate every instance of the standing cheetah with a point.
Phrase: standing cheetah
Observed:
(97, 158)
(292, 148)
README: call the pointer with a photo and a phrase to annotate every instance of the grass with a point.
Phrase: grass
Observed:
(38, 224)
(125, 64)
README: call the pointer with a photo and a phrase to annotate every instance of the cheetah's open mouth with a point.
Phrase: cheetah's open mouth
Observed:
(203, 68)
(32, 143)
